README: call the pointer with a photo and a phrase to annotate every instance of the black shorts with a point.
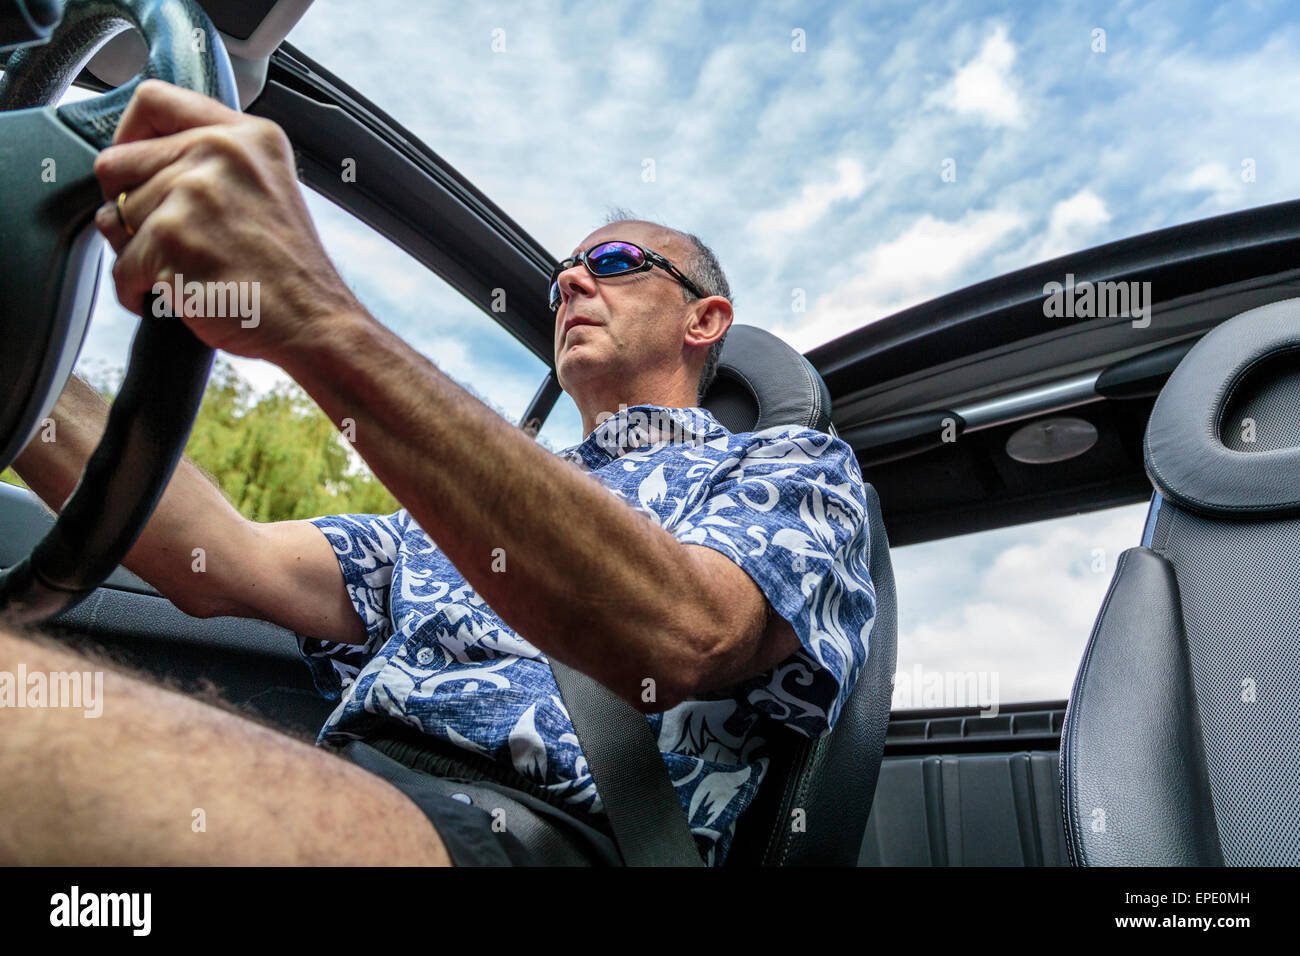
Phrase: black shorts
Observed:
(473, 832)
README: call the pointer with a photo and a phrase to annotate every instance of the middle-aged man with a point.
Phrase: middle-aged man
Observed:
(705, 577)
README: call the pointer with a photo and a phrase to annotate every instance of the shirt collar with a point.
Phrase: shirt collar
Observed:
(639, 426)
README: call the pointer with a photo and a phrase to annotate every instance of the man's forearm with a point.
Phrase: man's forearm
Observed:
(53, 461)
(189, 508)
(572, 568)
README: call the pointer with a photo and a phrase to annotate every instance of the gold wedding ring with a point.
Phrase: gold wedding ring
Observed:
(121, 213)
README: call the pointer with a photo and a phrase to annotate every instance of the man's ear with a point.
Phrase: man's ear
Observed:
(710, 319)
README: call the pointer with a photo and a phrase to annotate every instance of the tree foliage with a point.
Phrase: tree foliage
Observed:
(275, 456)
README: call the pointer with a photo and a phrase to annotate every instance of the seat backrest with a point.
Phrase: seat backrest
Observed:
(763, 382)
(1181, 742)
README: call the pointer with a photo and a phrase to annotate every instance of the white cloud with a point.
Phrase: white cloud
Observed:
(933, 249)
(813, 201)
(900, 272)
(984, 87)
(1222, 183)
(1071, 226)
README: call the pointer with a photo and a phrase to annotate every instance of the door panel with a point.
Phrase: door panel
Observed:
(967, 810)
(958, 789)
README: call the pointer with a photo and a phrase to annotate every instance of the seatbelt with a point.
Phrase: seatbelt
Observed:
(623, 756)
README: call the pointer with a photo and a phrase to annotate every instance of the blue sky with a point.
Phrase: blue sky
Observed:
(822, 171)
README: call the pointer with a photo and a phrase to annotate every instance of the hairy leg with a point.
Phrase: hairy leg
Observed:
(124, 788)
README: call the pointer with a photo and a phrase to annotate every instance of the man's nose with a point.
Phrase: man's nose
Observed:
(572, 281)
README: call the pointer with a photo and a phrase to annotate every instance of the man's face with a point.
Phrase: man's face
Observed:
(621, 326)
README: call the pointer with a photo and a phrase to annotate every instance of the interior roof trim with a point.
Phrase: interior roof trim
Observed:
(1178, 261)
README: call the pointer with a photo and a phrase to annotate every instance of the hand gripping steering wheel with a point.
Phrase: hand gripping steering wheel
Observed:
(49, 268)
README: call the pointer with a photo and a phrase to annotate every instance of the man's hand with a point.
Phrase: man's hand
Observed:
(212, 195)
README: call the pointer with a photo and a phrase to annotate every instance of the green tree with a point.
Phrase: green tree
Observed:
(275, 456)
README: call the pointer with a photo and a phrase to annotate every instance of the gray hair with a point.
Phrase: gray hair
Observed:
(702, 268)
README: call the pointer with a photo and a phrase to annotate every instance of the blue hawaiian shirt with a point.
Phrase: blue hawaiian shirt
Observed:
(786, 504)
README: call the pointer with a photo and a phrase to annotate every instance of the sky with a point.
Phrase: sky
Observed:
(869, 156)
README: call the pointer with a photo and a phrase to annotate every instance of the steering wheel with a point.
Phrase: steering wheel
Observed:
(49, 271)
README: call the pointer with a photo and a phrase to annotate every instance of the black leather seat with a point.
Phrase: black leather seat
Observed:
(764, 382)
(1181, 743)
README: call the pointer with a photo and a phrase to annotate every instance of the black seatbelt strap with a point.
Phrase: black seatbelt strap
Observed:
(623, 756)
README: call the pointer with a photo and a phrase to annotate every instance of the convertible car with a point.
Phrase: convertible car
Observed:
(992, 406)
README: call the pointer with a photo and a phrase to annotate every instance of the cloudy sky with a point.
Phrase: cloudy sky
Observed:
(873, 156)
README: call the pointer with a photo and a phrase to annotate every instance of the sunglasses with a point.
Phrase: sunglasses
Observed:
(615, 258)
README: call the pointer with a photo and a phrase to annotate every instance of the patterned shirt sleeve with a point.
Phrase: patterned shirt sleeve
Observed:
(789, 507)
(366, 546)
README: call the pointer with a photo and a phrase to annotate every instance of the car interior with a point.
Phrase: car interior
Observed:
(1157, 758)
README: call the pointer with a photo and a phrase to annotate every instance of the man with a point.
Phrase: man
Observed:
(724, 577)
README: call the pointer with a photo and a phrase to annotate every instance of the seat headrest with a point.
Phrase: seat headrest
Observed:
(763, 382)
(1224, 435)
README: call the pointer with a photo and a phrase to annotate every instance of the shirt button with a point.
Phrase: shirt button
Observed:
(424, 655)
(463, 798)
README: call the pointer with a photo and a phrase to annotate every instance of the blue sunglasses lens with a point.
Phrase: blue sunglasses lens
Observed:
(613, 258)
(606, 259)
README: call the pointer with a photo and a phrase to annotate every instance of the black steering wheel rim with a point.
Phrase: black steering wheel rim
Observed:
(150, 419)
